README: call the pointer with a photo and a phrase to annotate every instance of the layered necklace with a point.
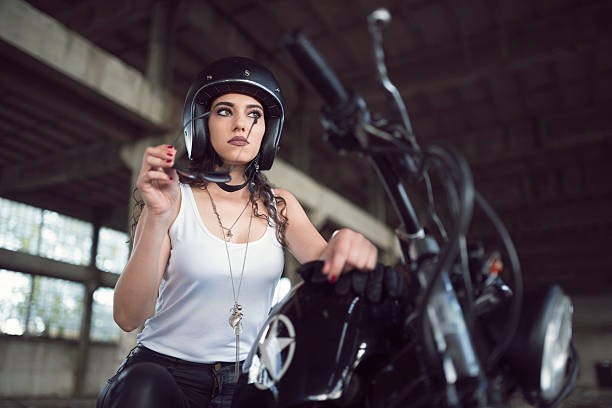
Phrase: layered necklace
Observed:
(236, 314)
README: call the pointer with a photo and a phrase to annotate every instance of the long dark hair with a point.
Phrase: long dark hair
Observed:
(275, 207)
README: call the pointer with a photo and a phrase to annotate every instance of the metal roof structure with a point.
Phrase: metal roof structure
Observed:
(523, 89)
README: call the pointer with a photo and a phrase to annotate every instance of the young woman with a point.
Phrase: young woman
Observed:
(207, 255)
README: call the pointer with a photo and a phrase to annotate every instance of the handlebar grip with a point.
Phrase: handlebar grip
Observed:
(316, 70)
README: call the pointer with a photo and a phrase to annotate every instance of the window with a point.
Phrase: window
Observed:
(56, 308)
(65, 239)
(103, 327)
(113, 250)
(282, 289)
(39, 305)
(51, 307)
(19, 226)
(14, 298)
(45, 233)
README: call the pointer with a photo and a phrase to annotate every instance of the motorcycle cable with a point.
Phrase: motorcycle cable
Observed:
(376, 20)
(338, 101)
(517, 280)
(516, 277)
(461, 220)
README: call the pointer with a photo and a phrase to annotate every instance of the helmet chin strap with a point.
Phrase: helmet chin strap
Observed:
(231, 188)
(249, 179)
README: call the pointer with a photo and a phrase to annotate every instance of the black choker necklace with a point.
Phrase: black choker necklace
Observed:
(251, 174)
(232, 188)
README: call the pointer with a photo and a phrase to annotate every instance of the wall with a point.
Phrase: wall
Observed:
(44, 367)
(592, 333)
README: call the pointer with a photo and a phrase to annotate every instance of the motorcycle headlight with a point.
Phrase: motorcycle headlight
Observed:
(556, 347)
(540, 349)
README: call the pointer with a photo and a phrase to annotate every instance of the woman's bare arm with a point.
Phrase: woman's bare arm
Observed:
(136, 289)
(346, 249)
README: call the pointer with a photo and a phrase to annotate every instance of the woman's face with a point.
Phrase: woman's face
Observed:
(231, 118)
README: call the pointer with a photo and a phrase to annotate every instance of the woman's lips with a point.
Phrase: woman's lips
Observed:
(238, 141)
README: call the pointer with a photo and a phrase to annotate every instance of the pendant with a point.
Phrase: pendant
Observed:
(227, 235)
(235, 321)
(235, 318)
(237, 364)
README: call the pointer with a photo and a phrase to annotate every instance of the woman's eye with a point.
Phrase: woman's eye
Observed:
(255, 114)
(223, 112)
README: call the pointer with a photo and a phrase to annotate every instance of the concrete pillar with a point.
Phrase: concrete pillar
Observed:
(90, 287)
(160, 64)
(591, 327)
(132, 157)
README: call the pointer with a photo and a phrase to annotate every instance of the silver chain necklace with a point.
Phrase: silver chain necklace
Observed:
(229, 234)
(236, 314)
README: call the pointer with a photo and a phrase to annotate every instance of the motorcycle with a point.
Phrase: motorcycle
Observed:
(440, 329)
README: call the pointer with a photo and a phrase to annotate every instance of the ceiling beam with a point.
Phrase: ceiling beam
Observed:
(95, 19)
(60, 168)
(48, 41)
(329, 205)
(62, 104)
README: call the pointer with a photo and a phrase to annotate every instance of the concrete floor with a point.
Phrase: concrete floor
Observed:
(580, 398)
(48, 403)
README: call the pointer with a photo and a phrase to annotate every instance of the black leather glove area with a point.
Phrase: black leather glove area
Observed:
(374, 285)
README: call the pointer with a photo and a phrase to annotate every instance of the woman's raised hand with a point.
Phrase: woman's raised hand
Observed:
(348, 250)
(158, 181)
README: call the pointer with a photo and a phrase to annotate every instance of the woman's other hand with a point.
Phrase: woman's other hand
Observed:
(348, 250)
(158, 181)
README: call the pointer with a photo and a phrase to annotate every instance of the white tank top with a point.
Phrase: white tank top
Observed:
(195, 294)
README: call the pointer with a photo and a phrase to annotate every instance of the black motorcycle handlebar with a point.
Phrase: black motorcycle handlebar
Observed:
(314, 67)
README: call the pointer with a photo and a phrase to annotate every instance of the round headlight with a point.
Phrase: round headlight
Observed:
(556, 348)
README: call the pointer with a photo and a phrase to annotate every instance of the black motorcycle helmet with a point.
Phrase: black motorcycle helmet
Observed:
(233, 75)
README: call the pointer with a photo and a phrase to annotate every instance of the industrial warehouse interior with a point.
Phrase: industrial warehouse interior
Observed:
(522, 89)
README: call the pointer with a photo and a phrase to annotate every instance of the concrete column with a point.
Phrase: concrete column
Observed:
(591, 327)
(161, 37)
(132, 157)
(90, 287)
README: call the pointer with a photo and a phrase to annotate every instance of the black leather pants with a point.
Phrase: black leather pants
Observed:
(150, 379)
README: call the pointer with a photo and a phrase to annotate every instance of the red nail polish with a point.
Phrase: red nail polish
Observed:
(171, 178)
(332, 279)
(170, 154)
(170, 147)
(168, 161)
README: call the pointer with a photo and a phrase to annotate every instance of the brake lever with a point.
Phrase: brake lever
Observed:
(376, 20)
